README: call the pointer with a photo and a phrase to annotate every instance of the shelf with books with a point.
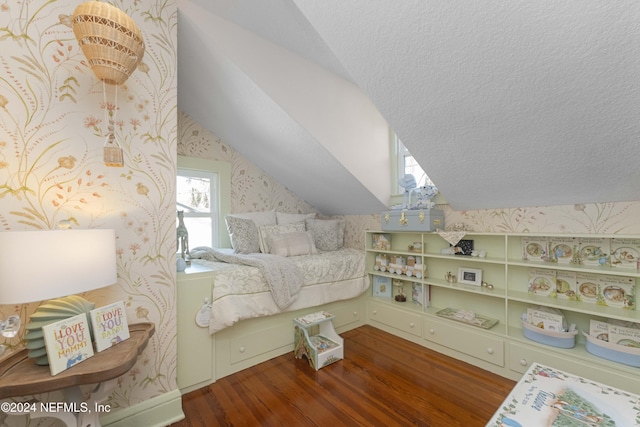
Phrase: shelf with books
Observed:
(616, 271)
(522, 275)
(573, 306)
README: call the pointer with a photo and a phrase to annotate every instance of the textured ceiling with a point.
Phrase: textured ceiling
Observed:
(504, 104)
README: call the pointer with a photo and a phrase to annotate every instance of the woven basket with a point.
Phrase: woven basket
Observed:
(110, 39)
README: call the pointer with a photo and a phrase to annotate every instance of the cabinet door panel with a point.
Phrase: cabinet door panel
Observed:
(407, 322)
(466, 341)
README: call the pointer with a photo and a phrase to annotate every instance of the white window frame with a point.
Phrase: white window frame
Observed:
(400, 154)
(220, 172)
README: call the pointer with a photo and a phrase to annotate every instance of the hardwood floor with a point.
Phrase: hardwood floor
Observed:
(382, 381)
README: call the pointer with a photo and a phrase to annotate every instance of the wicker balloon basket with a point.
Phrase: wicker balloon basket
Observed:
(110, 39)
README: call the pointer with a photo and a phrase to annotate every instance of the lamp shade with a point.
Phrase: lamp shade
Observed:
(40, 265)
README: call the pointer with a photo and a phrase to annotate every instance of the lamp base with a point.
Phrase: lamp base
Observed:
(49, 312)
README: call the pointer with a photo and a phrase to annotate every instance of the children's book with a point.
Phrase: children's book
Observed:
(625, 253)
(68, 342)
(566, 285)
(561, 248)
(416, 294)
(542, 281)
(381, 286)
(535, 248)
(110, 325)
(587, 287)
(595, 250)
(549, 397)
(617, 291)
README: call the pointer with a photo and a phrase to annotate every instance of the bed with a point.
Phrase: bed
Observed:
(281, 266)
(241, 291)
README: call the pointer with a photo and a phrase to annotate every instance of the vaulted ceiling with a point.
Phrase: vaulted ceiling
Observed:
(504, 104)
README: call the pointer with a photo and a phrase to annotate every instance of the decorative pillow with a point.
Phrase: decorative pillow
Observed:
(244, 234)
(266, 231)
(328, 234)
(293, 244)
(288, 218)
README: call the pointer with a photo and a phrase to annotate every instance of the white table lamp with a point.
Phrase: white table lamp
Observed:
(50, 264)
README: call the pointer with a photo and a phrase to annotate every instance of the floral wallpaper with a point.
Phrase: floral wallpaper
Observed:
(252, 189)
(54, 114)
(592, 218)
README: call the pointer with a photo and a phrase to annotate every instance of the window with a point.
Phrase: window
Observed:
(408, 165)
(202, 193)
(196, 196)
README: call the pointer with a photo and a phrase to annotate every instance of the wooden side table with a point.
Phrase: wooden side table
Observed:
(20, 376)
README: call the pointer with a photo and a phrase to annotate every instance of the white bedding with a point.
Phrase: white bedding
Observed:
(241, 292)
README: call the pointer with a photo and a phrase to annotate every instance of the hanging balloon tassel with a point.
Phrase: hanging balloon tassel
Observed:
(112, 152)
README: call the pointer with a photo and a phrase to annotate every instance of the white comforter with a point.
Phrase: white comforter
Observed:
(241, 292)
(282, 275)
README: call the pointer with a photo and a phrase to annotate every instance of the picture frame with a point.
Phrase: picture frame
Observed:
(470, 276)
(382, 287)
(463, 247)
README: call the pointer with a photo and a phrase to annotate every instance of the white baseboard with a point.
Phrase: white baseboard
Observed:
(159, 411)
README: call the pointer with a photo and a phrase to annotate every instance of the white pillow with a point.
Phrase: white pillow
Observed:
(328, 234)
(288, 218)
(266, 231)
(260, 218)
(293, 244)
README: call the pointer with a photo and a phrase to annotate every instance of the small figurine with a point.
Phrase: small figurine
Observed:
(575, 258)
(400, 296)
(182, 236)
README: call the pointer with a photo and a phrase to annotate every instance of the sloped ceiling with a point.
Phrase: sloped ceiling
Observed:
(504, 104)
(309, 128)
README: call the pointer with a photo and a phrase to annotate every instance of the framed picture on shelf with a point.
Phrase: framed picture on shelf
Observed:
(470, 276)
(381, 242)
(463, 247)
(382, 286)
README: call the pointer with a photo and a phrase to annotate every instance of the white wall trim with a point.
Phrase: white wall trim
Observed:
(158, 411)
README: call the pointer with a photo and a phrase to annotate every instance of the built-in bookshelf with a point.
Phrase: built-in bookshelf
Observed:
(477, 316)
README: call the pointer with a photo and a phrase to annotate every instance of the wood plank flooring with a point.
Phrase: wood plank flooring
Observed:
(383, 381)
